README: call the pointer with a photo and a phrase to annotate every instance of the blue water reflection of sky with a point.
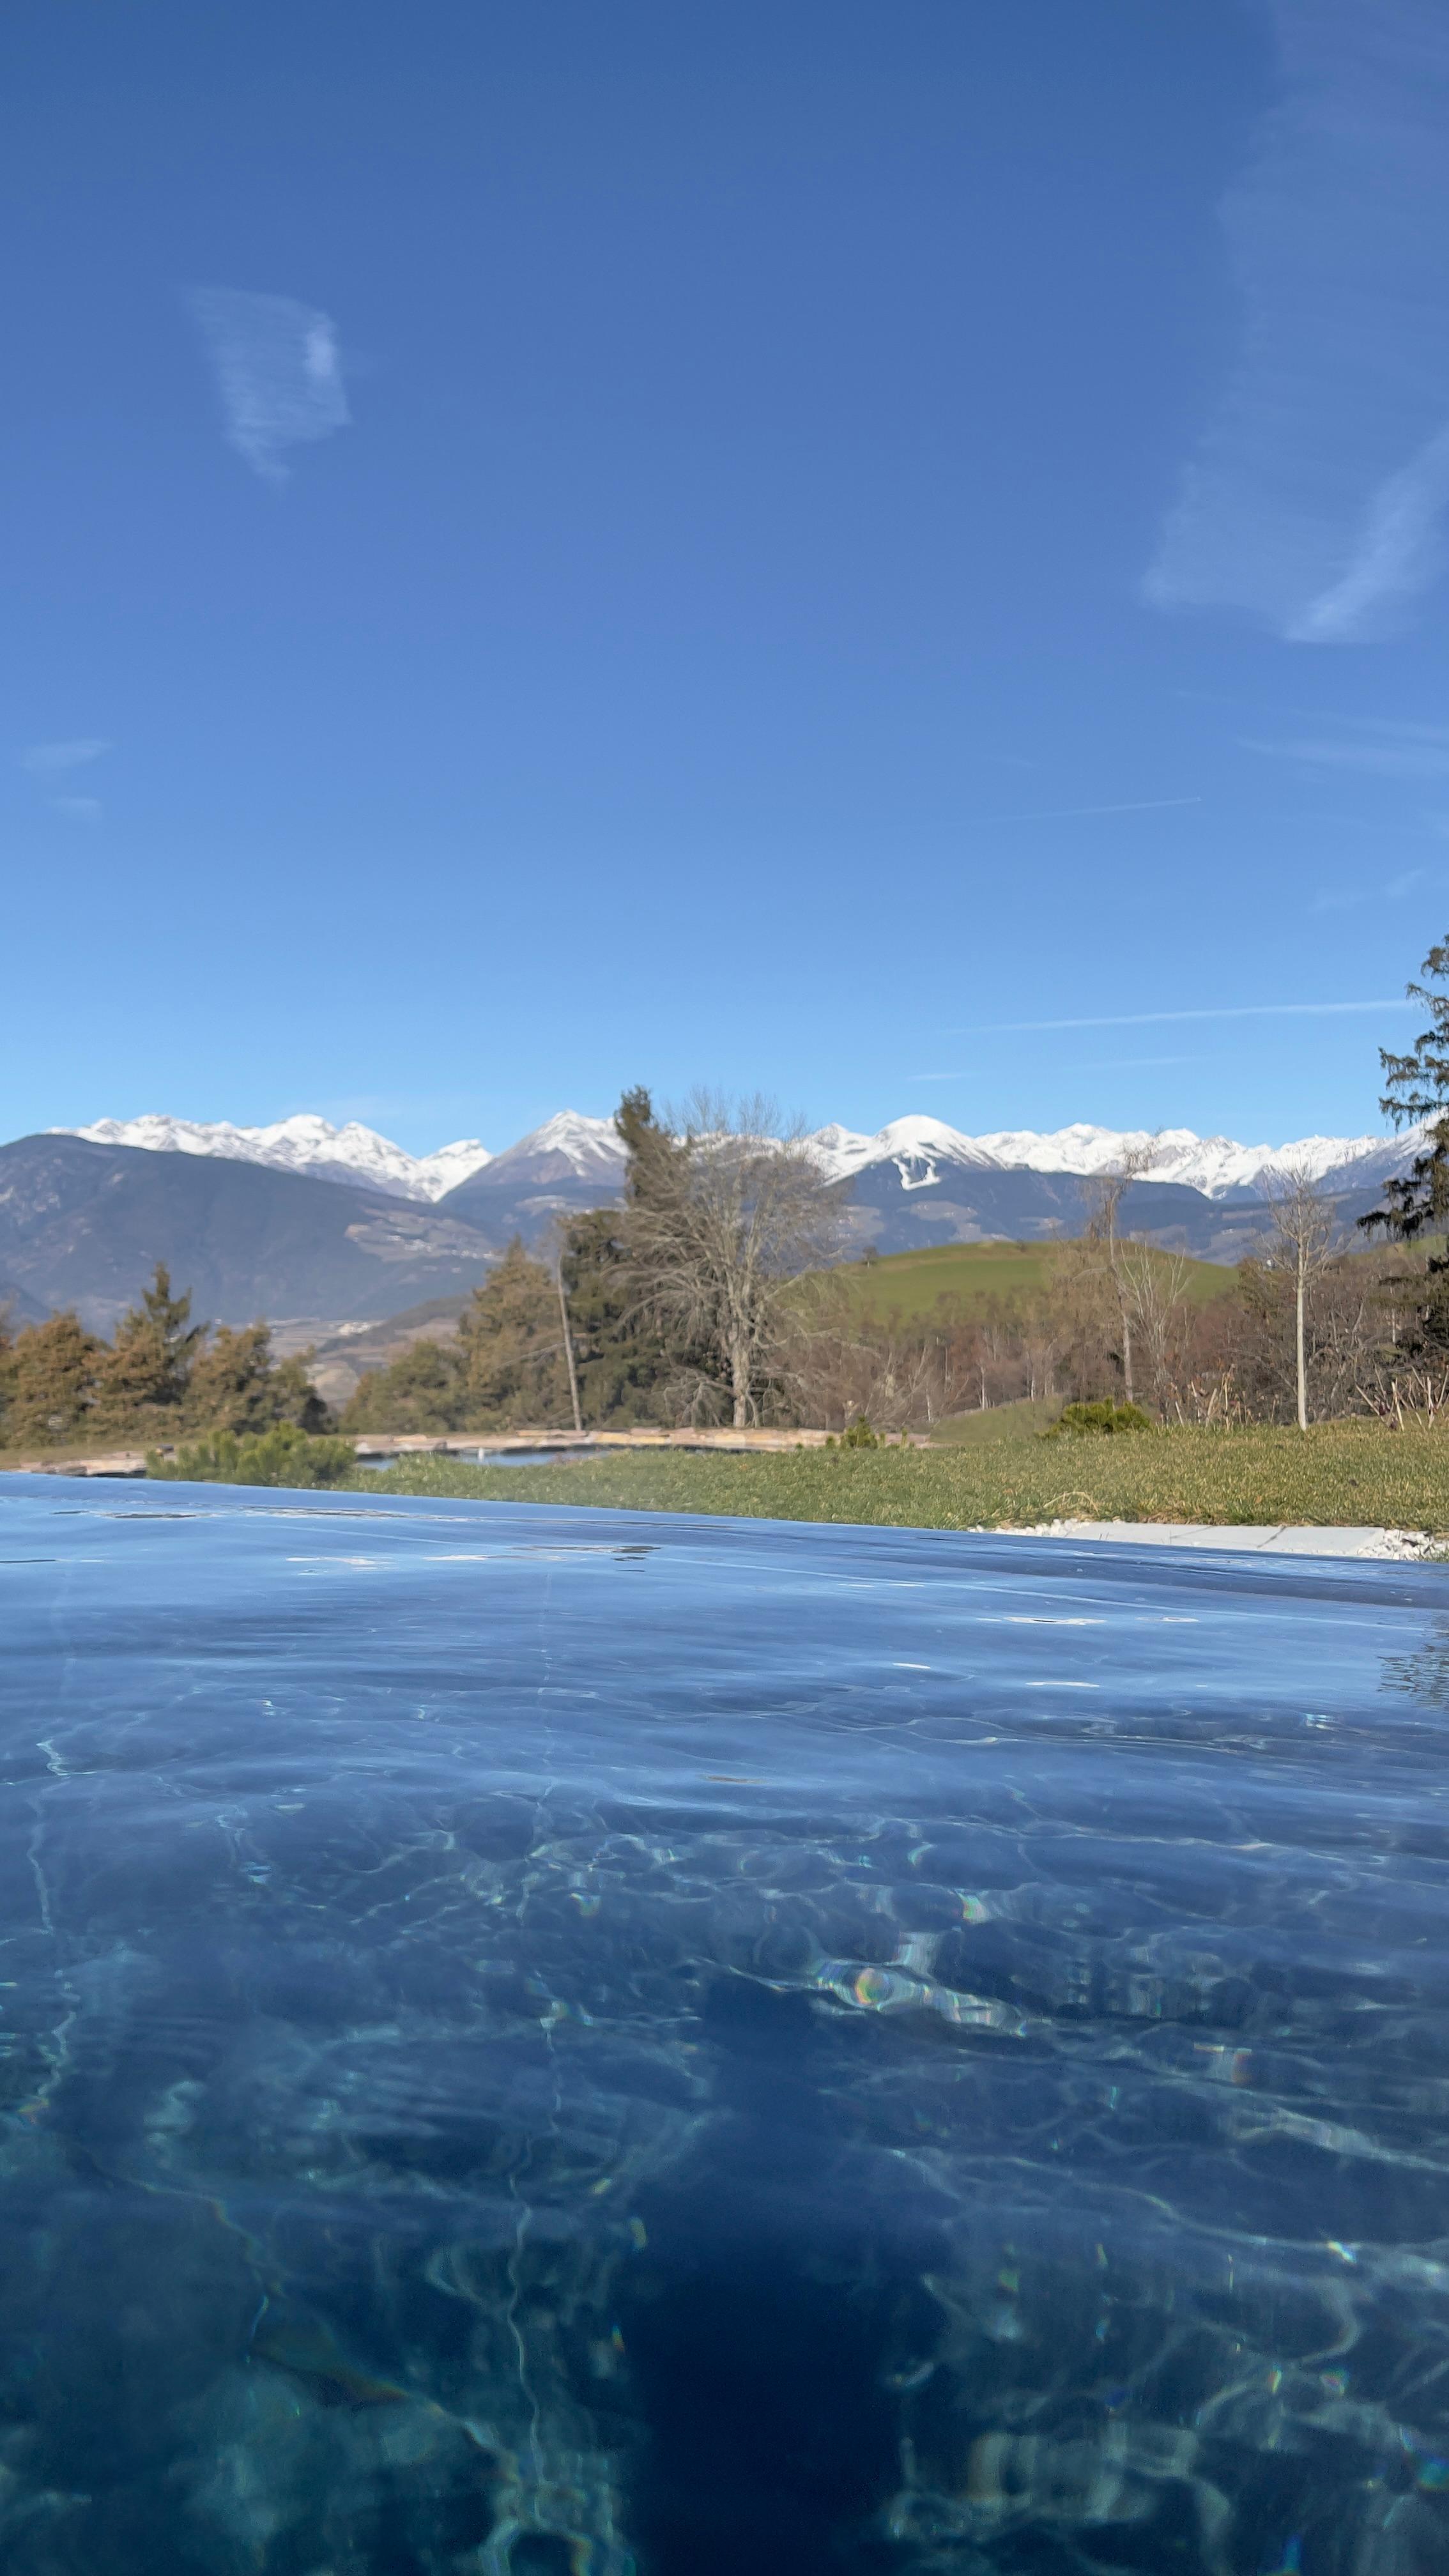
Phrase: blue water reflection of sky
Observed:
(544, 2039)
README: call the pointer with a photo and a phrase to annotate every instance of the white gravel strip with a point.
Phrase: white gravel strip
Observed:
(1245, 1538)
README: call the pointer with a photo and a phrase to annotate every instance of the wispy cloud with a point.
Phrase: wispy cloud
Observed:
(1097, 1064)
(1348, 898)
(1070, 813)
(278, 371)
(1374, 743)
(1317, 498)
(1137, 1063)
(1160, 1019)
(78, 809)
(50, 759)
(1398, 552)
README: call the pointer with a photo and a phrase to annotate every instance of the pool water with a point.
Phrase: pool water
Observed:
(581, 2043)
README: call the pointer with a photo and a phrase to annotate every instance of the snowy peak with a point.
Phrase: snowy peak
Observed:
(921, 1148)
(442, 1171)
(917, 1146)
(588, 1147)
(306, 1144)
(1213, 1164)
(570, 1148)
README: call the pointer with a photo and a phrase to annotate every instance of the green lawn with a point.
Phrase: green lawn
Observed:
(1339, 1473)
(906, 1287)
(1014, 1421)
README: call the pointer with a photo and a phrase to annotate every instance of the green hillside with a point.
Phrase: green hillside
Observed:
(907, 1287)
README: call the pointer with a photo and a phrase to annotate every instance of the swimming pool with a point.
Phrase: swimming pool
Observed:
(550, 2040)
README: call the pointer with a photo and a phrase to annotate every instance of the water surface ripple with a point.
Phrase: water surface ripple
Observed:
(545, 2043)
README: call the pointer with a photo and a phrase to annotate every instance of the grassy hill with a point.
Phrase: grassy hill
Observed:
(908, 1287)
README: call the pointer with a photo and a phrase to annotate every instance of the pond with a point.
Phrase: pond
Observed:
(483, 1457)
(550, 2041)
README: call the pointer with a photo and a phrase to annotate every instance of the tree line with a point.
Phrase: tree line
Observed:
(1310, 1327)
(671, 1308)
(1375, 1342)
(666, 1309)
(158, 1377)
(708, 1296)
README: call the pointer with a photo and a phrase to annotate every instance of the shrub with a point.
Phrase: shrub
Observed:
(282, 1455)
(1105, 1417)
(856, 1435)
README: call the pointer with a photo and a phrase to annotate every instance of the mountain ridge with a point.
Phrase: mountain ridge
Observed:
(583, 1149)
(83, 1220)
(307, 1144)
(82, 1224)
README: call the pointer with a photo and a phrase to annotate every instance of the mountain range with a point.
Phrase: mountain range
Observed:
(588, 1149)
(305, 1144)
(314, 1224)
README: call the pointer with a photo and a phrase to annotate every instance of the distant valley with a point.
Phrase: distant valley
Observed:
(306, 1222)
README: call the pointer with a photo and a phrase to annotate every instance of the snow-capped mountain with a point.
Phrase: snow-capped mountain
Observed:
(444, 1169)
(571, 1153)
(1212, 1164)
(920, 1147)
(302, 1144)
(568, 1164)
(917, 1146)
(304, 1220)
(589, 1148)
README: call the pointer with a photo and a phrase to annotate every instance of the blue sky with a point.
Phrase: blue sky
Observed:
(893, 555)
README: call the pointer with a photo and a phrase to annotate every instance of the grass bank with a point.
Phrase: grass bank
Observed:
(997, 1422)
(906, 1288)
(1339, 1473)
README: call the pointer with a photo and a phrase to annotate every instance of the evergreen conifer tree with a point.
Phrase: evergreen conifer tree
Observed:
(236, 1385)
(512, 1347)
(143, 1378)
(624, 1368)
(52, 1371)
(1417, 1090)
(294, 1398)
(423, 1389)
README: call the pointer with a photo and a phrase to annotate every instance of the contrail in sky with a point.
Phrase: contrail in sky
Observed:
(1151, 1019)
(1066, 813)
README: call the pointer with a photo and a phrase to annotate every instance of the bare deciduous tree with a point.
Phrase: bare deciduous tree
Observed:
(1104, 1193)
(1152, 1285)
(568, 1340)
(1301, 1245)
(1041, 1349)
(723, 1213)
(837, 1367)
